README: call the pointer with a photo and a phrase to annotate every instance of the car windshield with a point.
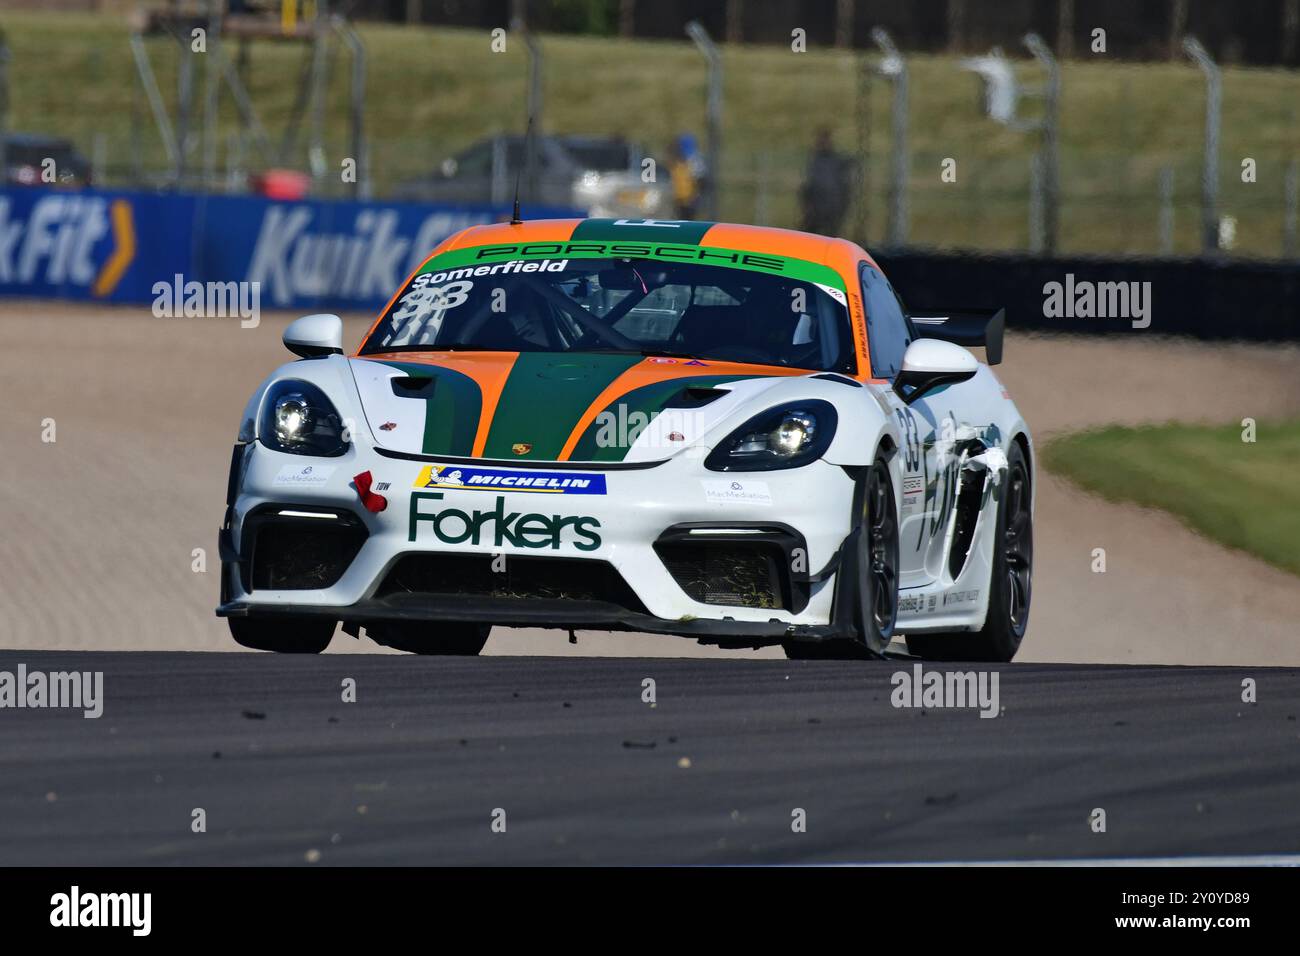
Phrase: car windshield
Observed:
(628, 305)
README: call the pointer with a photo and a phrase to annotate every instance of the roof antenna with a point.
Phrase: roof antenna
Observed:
(515, 219)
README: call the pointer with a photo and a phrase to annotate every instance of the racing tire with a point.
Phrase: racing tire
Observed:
(440, 639)
(870, 568)
(283, 635)
(1009, 584)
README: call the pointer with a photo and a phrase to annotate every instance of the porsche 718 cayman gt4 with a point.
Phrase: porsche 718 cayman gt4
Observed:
(731, 433)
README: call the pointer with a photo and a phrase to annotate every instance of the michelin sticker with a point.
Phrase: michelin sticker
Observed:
(732, 492)
(303, 476)
(465, 478)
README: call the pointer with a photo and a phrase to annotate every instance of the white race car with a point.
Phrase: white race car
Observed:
(725, 432)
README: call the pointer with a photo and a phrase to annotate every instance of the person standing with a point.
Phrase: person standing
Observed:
(825, 190)
(686, 168)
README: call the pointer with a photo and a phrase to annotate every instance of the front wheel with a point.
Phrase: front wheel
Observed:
(283, 635)
(869, 568)
(1009, 584)
(431, 637)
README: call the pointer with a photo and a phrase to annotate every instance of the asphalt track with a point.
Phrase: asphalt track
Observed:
(587, 772)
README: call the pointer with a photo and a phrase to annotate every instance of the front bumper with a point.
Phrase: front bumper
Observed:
(640, 523)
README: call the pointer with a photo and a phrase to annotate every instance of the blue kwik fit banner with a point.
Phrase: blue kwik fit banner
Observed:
(91, 245)
(117, 246)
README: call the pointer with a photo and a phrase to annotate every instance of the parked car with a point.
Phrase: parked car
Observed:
(25, 156)
(599, 174)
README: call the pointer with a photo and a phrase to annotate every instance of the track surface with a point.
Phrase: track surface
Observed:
(589, 773)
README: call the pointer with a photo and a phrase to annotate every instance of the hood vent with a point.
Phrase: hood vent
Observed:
(695, 397)
(413, 386)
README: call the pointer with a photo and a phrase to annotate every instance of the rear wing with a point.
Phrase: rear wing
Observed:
(971, 327)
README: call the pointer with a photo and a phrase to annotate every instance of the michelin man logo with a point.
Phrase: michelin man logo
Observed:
(438, 478)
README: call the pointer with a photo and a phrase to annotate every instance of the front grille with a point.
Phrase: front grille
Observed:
(294, 554)
(511, 577)
(739, 574)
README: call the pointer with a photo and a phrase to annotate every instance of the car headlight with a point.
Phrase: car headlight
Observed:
(299, 419)
(784, 437)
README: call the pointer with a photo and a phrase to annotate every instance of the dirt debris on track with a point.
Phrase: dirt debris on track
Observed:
(102, 524)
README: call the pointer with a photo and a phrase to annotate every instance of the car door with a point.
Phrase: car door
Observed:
(928, 476)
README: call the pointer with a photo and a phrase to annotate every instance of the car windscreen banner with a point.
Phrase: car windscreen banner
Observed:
(125, 247)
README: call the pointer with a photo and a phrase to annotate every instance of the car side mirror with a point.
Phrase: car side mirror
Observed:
(929, 363)
(312, 335)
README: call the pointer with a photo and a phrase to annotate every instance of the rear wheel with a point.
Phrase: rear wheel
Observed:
(870, 569)
(431, 638)
(284, 635)
(1009, 584)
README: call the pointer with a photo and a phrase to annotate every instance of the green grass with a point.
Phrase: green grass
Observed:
(431, 92)
(1245, 495)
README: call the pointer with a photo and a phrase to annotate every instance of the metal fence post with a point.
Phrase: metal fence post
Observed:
(1167, 211)
(1037, 225)
(1065, 28)
(1047, 168)
(1210, 163)
(1290, 202)
(704, 43)
(1001, 94)
(154, 97)
(763, 169)
(360, 149)
(895, 67)
(319, 83)
(4, 98)
(863, 184)
(211, 93)
(235, 172)
(184, 107)
(98, 158)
